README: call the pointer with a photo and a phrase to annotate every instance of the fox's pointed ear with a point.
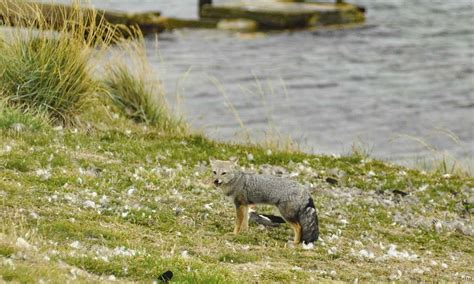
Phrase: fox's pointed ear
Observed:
(212, 161)
(236, 162)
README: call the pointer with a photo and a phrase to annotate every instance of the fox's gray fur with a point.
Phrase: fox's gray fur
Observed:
(293, 201)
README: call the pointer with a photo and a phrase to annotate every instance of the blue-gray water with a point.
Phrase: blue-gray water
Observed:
(408, 72)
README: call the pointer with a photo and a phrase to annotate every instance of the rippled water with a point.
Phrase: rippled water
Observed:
(408, 72)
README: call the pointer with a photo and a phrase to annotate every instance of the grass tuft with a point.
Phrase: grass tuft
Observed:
(135, 92)
(47, 71)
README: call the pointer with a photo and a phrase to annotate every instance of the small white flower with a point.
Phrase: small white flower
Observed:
(131, 191)
(44, 174)
(366, 254)
(34, 215)
(343, 221)
(444, 265)
(332, 250)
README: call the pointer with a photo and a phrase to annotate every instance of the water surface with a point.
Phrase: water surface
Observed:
(407, 74)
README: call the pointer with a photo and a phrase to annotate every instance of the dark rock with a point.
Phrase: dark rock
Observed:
(165, 277)
(331, 180)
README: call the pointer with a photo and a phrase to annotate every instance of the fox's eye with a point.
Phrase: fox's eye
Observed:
(214, 172)
(223, 173)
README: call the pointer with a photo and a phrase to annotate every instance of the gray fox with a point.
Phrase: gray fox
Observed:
(295, 203)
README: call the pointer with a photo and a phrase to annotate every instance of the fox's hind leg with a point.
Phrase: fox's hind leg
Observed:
(297, 230)
(241, 222)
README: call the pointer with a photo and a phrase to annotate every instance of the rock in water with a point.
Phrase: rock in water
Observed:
(237, 25)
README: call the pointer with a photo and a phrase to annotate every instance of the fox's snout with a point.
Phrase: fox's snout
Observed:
(217, 182)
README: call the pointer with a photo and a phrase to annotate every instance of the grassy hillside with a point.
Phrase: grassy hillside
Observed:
(99, 181)
(127, 203)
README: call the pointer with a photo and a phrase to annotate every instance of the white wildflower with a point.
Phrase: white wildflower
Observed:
(130, 191)
(104, 200)
(122, 251)
(44, 174)
(34, 215)
(366, 254)
(332, 250)
(296, 268)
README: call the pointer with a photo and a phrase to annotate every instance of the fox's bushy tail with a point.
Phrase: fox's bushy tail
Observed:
(308, 219)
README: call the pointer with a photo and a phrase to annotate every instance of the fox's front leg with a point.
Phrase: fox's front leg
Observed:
(241, 222)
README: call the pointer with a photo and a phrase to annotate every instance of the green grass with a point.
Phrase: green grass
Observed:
(163, 223)
(134, 90)
(128, 195)
(51, 72)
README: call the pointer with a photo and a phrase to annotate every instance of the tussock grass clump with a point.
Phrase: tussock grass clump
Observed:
(49, 71)
(47, 75)
(135, 92)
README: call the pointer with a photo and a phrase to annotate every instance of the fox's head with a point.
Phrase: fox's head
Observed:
(223, 171)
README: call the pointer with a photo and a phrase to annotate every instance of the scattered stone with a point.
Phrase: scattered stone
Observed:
(131, 191)
(18, 127)
(396, 275)
(23, 244)
(75, 245)
(89, 204)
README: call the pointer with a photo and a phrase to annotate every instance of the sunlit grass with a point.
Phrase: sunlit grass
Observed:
(134, 89)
